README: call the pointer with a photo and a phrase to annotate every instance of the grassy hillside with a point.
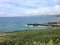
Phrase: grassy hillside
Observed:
(31, 37)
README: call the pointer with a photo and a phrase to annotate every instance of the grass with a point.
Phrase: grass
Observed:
(49, 36)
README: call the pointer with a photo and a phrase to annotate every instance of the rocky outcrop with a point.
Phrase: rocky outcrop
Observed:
(46, 24)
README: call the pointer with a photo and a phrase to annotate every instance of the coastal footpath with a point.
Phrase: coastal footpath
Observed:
(49, 36)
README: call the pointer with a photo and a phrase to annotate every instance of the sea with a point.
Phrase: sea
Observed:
(10, 24)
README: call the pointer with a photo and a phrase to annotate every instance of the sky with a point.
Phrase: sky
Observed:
(10, 8)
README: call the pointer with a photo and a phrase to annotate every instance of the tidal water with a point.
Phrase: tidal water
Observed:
(9, 24)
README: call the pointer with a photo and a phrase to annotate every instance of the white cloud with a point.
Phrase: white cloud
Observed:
(14, 8)
(1, 12)
(27, 12)
(45, 10)
(35, 2)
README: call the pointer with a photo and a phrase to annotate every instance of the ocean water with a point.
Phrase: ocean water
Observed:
(9, 24)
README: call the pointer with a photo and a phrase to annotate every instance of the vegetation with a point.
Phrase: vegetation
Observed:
(31, 37)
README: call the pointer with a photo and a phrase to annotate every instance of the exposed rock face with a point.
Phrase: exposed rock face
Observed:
(46, 24)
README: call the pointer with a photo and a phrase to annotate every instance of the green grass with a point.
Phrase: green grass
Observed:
(47, 36)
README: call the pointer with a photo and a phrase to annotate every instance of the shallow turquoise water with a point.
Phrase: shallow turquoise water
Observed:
(8, 24)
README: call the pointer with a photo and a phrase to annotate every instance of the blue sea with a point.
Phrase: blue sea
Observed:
(9, 24)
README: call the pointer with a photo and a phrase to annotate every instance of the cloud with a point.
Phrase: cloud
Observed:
(29, 7)
(1, 12)
(38, 3)
(39, 11)
(47, 10)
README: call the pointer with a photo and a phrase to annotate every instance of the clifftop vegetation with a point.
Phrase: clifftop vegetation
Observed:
(31, 37)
